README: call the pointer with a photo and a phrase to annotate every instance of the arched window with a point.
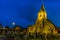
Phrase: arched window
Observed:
(40, 15)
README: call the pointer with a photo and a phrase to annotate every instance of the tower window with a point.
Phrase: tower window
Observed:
(40, 15)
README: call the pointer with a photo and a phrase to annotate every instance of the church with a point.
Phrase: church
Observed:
(42, 25)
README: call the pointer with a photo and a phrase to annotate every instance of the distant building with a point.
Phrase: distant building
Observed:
(7, 28)
(1, 26)
(17, 28)
(1, 30)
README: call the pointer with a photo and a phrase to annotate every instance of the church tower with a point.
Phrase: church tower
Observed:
(41, 19)
(42, 16)
(42, 13)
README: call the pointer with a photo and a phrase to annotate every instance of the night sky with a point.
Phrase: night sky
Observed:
(24, 12)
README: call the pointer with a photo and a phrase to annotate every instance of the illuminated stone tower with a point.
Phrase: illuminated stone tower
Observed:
(41, 19)
(42, 14)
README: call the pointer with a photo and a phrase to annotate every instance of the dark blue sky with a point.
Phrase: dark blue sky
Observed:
(24, 12)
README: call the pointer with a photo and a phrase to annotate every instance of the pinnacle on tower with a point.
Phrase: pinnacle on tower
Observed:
(42, 7)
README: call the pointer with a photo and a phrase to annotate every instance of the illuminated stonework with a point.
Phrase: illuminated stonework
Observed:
(42, 24)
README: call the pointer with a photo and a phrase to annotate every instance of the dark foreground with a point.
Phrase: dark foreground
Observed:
(29, 38)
